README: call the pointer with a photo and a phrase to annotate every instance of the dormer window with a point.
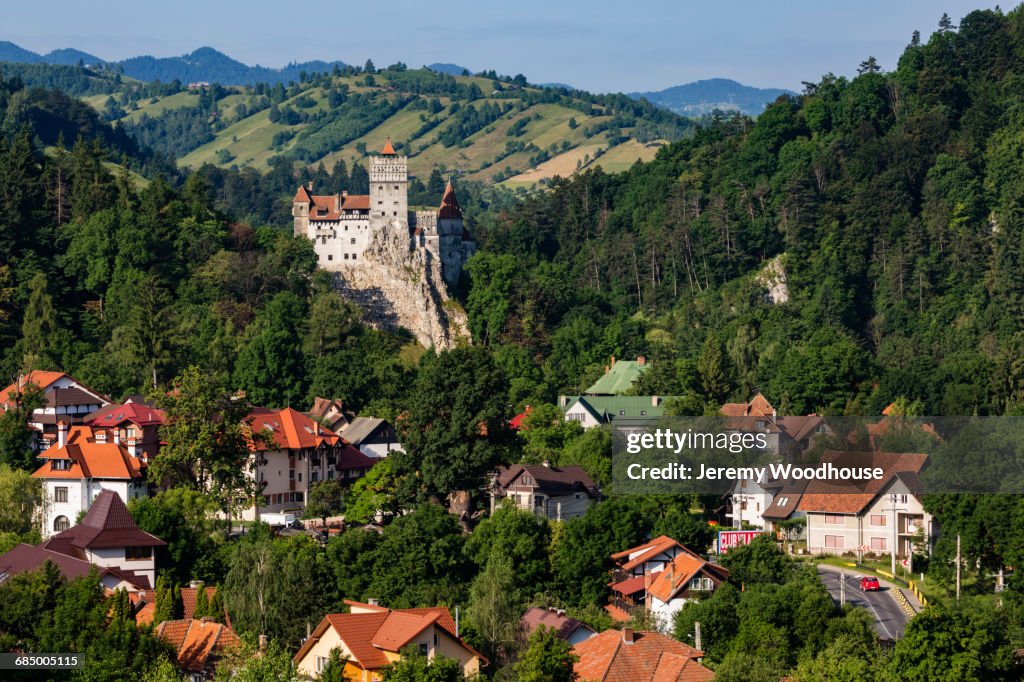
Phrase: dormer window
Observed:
(60, 464)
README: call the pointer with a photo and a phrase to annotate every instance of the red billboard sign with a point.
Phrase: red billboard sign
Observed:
(735, 538)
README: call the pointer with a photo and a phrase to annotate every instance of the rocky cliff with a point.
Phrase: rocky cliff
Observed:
(397, 287)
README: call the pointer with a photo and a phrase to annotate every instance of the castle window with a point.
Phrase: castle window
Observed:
(61, 523)
(330, 256)
(353, 240)
(396, 187)
(353, 256)
(346, 256)
(381, 188)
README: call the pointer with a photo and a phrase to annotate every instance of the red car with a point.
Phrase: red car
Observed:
(869, 584)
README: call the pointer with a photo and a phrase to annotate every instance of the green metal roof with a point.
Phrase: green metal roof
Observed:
(618, 379)
(610, 407)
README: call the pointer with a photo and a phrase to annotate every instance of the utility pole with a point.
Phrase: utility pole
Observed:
(842, 588)
(895, 538)
(958, 567)
(696, 636)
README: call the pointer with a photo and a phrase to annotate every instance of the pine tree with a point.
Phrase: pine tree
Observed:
(39, 328)
(164, 605)
(202, 608)
(215, 612)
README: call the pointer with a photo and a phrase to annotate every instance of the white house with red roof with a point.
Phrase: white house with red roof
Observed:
(372, 637)
(343, 226)
(66, 399)
(294, 453)
(82, 464)
(686, 578)
(106, 538)
(135, 423)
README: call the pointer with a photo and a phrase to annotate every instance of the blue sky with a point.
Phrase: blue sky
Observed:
(593, 44)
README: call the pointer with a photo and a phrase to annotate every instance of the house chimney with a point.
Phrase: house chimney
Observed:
(62, 433)
(117, 436)
(309, 186)
(627, 635)
(641, 360)
(344, 193)
(546, 463)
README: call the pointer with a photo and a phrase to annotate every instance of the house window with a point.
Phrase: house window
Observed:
(575, 417)
(321, 663)
(782, 501)
(878, 545)
(291, 474)
(138, 553)
(424, 648)
(300, 477)
(314, 477)
(878, 519)
(330, 475)
(834, 541)
(61, 523)
(60, 494)
(622, 413)
(834, 519)
(643, 413)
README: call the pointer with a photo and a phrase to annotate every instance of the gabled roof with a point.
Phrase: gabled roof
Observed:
(618, 377)
(89, 458)
(550, 480)
(666, 584)
(139, 413)
(801, 427)
(360, 428)
(852, 497)
(388, 150)
(107, 524)
(369, 631)
(757, 407)
(188, 599)
(198, 643)
(787, 492)
(606, 408)
(289, 429)
(330, 206)
(564, 625)
(647, 552)
(40, 378)
(649, 657)
(69, 560)
(449, 209)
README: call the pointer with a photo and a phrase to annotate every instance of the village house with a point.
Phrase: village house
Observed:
(556, 493)
(293, 453)
(371, 637)
(198, 645)
(619, 655)
(686, 578)
(633, 570)
(372, 436)
(591, 411)
(135, 423)
(566, 627)
(878, 516)
(83, 463)
(65, 399)
(106, 538)
(331, 413)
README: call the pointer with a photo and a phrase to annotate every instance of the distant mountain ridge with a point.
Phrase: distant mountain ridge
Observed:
(204, 64)
(704, 96)
(450, 69)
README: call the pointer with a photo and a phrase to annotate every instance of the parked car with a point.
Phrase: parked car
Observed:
(869, 584)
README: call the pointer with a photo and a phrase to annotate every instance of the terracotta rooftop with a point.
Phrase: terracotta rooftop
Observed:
(188, 600)
(564, 625)
(369, 631)
(757, 407)
(39, 378)
(106, 525)
(138, 413)
(647, 552)
(666, 584)
(853, 496)
(388, 150)
(289, 429)
(198, 643)
(648, 657)
(329, 207)
(449, 209)
(89, 458)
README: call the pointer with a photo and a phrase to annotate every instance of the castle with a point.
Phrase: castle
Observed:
(343, 226)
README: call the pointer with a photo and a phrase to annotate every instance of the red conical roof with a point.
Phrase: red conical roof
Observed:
(449, 204)
(388, 149)
(302, 195)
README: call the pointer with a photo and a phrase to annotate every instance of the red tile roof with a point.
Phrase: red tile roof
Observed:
(517, 421)
(302, 195)
(89, 458)
(650, 657)
(647, 552)
(40, 378)
(329, 207)
(564, 625)
(188, 600)
(388, 149)
(757, 407)
(289, 429)
(198, 643)
(107, 524)
(140, 414)
(666, 584)
(630, 585)
(70, 560)
(852, 497)
(370, 631)
(449, 204)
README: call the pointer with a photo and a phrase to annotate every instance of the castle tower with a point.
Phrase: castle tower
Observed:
(454, 244)
(300, 212)
(389, 187)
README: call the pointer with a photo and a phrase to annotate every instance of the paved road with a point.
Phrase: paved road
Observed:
(890, 620)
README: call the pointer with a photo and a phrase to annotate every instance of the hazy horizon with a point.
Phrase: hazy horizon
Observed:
(595, 46)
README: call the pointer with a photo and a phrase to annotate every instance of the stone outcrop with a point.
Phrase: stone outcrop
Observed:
(398, 287)
(773, 278)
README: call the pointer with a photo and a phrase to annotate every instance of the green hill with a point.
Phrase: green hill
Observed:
(484, 129)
